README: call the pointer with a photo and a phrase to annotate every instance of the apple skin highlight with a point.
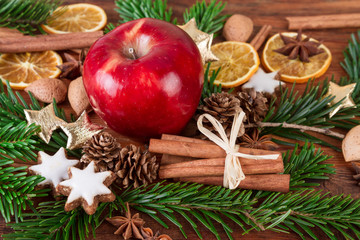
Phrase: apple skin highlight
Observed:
(144, 78)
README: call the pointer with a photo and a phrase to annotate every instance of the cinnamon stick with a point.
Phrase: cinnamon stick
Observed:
(8, 32)
(171, 159)
(48, 42)
(197, 150)
(324, 21)
(260, 37)
(184, 139)
(199, 168)
(266, 182)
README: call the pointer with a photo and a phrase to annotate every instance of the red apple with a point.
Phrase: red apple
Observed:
(144, 78)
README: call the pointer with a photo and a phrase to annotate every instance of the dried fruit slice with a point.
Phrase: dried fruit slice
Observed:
(21, 69)
(238, 62)
(294, 70)
(81, 17)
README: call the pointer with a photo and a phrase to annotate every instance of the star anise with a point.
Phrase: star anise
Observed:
(128, 226)
(304, 48)
(148, 234)
(257, 142)
(72, 68)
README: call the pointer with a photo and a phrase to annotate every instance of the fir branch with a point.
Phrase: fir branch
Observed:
(194, 203)
(311, 109)
(351, 64)
(135, 9)
(17, 190)
(109, 27)
(307, 210)
(306, 164)
(209, 87)
(16, 141)
(208, 204)
(52, 222)
(12, 106)
(208, 16)
(26, 15)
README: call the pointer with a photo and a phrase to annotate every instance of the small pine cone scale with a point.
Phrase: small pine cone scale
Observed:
(222, 106)
(136, 167)
(103, 149)
(254, 104)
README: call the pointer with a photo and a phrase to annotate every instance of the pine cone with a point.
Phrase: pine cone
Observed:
(254, 104)
(136, 167)
(103, 149)
(222, 106)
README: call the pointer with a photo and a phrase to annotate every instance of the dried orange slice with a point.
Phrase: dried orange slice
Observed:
(238, 62)
(294, 70)
(81, 17)
(21, 69)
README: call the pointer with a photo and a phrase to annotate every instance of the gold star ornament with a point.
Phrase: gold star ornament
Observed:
(81, 131)
(202, 40)
(46, 119)
(341, 93)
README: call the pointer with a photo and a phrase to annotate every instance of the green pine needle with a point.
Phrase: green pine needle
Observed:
(351, 62)
(207, 15)
(26, 15)
(12, 106)
(17, 190)
(306, 164)
(51, 221)
(135, 9)
(310, 109)
(209, 87)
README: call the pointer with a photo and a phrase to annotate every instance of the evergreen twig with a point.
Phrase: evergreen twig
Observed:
(17, 190)
(310, 109)
(135, 9)
(209, 87)
(207, 15)
(195, 203)
(26, 15)
(351, 64)
(54, 223)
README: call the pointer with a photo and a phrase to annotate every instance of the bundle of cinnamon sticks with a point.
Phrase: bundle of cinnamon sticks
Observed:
(201, 161)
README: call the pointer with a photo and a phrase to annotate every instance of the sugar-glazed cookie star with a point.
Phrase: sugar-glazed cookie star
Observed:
(53, 168)
(87, 188)
(263, 82)
(46, 119)
(341, 93)
(81, 131)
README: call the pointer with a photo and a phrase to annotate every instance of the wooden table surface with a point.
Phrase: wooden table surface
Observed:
(262, 12)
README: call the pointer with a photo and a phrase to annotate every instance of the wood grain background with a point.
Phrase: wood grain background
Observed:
(262, 12)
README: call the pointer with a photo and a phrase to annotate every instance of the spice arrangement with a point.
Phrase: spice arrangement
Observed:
(231, 168)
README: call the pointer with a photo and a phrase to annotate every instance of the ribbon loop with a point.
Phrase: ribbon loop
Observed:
(233, 173)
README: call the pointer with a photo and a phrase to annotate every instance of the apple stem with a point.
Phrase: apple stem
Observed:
(132, 53)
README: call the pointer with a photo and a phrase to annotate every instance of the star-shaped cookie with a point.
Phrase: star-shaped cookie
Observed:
(87, 188)
(263, 82)
(81, 131)
(46, 119)
(53, 168)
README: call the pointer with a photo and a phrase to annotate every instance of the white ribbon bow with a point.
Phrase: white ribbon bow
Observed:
(233, 173)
